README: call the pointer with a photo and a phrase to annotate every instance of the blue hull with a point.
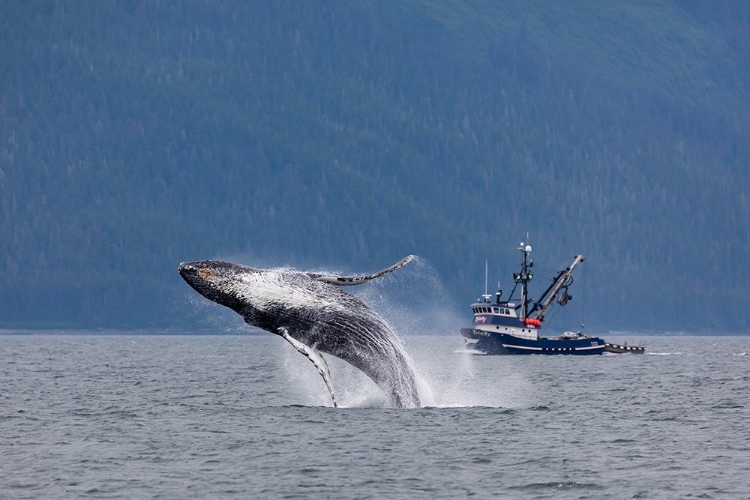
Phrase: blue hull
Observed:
(500, 343)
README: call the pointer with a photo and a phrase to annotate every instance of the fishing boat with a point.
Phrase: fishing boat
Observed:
(512, 326)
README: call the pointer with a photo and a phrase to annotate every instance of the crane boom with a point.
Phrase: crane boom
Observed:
(550, 295)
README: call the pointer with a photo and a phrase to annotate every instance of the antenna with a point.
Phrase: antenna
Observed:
(485, 277)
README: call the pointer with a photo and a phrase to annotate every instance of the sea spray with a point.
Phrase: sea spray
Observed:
(416, 305)
(353, 388)
(414, 301)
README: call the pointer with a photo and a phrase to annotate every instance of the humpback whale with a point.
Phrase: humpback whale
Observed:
(315, 315)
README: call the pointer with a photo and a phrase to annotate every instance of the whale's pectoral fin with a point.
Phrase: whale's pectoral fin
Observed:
(356, 280)
(315, 357)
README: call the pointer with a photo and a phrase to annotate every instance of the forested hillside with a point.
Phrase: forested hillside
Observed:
(135, 135)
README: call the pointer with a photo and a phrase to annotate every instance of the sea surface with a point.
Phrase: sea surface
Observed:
(126, 416)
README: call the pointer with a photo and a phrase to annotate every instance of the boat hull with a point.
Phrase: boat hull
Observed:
(501, 343)
(624, 349)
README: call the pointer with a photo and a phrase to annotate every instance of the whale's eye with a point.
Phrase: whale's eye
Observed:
(205, 273)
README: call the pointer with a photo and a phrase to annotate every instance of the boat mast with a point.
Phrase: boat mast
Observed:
(486, 268)
(486, 297)
(523, 278)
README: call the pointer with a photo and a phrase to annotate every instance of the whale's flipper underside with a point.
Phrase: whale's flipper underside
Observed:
(357, 280)
(315, 357)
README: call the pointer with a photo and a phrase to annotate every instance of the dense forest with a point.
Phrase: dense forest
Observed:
(138, 134)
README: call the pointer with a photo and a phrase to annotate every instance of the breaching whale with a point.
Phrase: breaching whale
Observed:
(312, 313)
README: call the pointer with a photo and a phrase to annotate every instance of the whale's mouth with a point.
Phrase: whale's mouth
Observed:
(219, 282)
(196, 275)
(213, 280)
(187, 268)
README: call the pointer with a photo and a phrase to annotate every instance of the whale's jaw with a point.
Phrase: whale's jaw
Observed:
(213, 280)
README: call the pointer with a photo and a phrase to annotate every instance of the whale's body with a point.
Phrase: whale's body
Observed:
(316, 314)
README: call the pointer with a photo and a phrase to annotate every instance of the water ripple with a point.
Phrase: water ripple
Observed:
(239, 417)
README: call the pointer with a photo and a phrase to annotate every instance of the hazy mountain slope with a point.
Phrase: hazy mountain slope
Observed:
(138, 135)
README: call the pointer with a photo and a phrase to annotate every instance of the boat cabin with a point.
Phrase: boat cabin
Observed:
(504, 309)
(501, 317)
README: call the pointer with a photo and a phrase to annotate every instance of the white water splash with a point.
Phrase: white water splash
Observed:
(352, 387)
(369, 401)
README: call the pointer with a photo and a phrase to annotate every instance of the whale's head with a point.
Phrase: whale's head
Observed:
(218, 281)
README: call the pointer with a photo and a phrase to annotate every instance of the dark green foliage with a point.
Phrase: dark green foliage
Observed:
(135, 135)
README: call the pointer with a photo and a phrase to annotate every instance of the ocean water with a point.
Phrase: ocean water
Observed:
(113, 416)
